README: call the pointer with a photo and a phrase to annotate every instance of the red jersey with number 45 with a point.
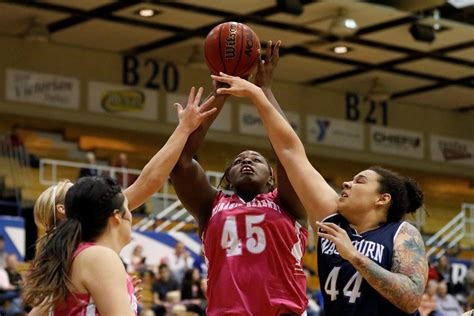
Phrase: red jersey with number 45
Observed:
(254, 250)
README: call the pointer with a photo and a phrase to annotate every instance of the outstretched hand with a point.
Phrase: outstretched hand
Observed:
(237, 86)
(339, 237)
(266, 67)
(193, 115)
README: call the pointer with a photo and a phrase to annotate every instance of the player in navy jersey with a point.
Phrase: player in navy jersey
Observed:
(369, 261)
(254, 239)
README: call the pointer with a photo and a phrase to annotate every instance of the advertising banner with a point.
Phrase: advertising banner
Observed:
(120, 100)
(452, 150)
(41, 88)
(334, 132)
(396, 142)
(251, 124)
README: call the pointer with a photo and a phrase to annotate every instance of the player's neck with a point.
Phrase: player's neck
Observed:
(109, 241)
(366, 222)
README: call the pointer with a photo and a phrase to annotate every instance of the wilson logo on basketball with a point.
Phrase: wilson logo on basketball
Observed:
(123, 101)
(230, 42)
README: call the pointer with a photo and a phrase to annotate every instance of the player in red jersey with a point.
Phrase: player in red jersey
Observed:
(254, 239)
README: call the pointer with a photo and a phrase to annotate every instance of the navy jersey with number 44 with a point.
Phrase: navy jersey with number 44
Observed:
(345, 291)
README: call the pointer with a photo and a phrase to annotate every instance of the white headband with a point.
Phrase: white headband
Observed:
(54, 205)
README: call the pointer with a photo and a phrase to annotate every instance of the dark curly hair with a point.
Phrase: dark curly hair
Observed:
(406, 194)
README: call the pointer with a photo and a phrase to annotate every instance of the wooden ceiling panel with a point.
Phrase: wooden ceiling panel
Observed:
(240, 6)
(449, 98)
(97, 34)
(438, 68)
(15, 19)
(357, 52)
(82, 4)
(171, 16)
(319, 15)
(400, 36)
(392, 83)
(301, 69)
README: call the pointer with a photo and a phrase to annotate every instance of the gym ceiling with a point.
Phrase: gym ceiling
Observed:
(415, 52)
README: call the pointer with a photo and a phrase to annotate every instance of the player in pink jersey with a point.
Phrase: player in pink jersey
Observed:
(49, 285)
(254, 239)
(97, 217)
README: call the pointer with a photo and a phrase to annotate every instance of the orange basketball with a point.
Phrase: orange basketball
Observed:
(232, 48)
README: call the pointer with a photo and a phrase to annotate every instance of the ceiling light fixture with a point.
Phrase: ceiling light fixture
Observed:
(37, 32)
(343, 25)
(436, 17)
(459, 4)
(146, 13)
(340, 49)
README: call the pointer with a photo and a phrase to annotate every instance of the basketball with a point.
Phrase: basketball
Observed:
(232, 48)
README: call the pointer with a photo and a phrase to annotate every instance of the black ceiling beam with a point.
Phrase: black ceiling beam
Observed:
(95, 13)
(49, 6)
(385, 25)
(466, 81)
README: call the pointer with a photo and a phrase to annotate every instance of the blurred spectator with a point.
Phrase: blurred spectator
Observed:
(165, 283)
(428, 303)
(8, 292)
(191, 292)
(191, 285)
(469, 280)
(179, 261)
(447, 304)
(18, 148)
(14, 275)
(443, 268)
(137, 260)
(433, 272)
(89, 171)
(124, 178)
(16, 141)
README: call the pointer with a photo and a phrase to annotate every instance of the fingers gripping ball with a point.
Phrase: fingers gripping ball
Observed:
(231, 48)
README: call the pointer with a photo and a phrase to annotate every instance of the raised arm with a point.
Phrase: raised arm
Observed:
(318, 198)
(263, 79)
(405, 283)
(189, 179)
(157, 170)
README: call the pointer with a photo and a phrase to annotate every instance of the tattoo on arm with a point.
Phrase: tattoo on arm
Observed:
(403, 286)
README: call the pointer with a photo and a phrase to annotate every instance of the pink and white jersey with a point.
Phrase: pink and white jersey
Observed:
(254, 250)
(83, 304)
